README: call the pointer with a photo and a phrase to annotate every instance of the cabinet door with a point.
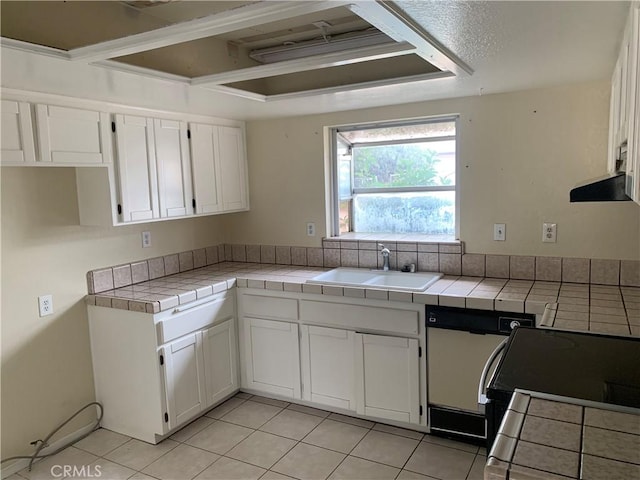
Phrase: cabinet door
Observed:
(136, 168)
(73, 136)
(220, 361)
(184, 378)
(272, 358)
(174, 168)
(327, 359)
(17, 133)
(205, 162)
(233, 165)
(388, 377)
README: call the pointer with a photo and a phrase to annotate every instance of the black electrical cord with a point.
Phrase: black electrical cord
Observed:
(44, 443)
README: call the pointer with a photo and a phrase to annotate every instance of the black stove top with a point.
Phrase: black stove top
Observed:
(600, 368)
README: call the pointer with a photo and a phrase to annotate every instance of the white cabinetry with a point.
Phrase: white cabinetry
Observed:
(220, 353)
(624, 114)
(633, 144)
(160, 172)
(18, 147)
(137, 186)
(174, 168)
(219, 168)
(328, 366)
(154, 373)
(389, 377)
(352, 355)
(272, 357)
(233, 165)
(184, 377)
(153, 168)
(73, 136)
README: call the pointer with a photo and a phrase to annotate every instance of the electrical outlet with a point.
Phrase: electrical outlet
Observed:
(549, 232)
(499, 232)
(146, 239)
(311, 229)
(45, 305)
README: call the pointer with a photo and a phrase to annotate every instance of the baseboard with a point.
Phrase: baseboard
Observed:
(20, 464)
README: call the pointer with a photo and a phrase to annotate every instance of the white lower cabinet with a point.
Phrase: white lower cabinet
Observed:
(328, 366)
(272, 357)
(370, 374)
(389, 378)
(184, 378)
(220, 352)
(154, 373)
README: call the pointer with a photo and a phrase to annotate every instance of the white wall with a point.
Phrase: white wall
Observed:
(520, 154)
(46, 362)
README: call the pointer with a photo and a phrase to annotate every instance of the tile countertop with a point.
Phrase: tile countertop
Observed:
(568, 306)
(548, 437)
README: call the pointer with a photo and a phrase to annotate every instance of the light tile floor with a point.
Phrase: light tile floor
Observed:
(250, 437)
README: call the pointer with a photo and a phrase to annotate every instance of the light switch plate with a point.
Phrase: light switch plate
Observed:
(499, 232)
(549, 232)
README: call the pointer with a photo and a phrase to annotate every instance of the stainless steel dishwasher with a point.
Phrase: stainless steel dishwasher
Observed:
(462, 348)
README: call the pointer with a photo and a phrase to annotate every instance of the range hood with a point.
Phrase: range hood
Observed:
(606, 189)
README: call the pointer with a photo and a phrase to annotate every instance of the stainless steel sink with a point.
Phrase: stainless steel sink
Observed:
(354, 277)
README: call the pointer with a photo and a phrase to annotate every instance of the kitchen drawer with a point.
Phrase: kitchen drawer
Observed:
(360, 317)
(194, 316)
(269, 307)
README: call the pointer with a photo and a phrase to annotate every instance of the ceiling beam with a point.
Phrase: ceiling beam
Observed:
(389, 19)
(236, 19)
(314, 62)
(329, 90)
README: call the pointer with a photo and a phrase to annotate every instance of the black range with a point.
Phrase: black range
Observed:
(601, 368)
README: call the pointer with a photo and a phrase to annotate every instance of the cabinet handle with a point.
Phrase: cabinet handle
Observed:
(119, 209)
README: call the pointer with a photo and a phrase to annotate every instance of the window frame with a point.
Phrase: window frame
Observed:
(334, 134)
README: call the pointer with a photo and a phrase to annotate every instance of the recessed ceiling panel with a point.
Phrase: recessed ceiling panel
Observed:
(232, 51)
(66, 25)
(260, 48)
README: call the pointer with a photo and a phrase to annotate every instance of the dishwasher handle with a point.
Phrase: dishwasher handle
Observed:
(482, 386)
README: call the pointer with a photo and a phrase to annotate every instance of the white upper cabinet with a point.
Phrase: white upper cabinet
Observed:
(205, 154)
(233, 169)
(138, 187)
(17, 133)
(72, 136)
(154, 171)
(633, 144)
(624, 111)
(219, 168)
(173, 167)
(153, 168)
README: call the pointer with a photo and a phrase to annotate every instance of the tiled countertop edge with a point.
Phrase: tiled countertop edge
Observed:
(518, 296)
(504, 462)
(433, 296)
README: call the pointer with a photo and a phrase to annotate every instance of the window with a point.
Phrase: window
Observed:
(395, 177)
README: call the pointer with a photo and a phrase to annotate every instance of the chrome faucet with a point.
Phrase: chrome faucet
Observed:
(385, 257)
